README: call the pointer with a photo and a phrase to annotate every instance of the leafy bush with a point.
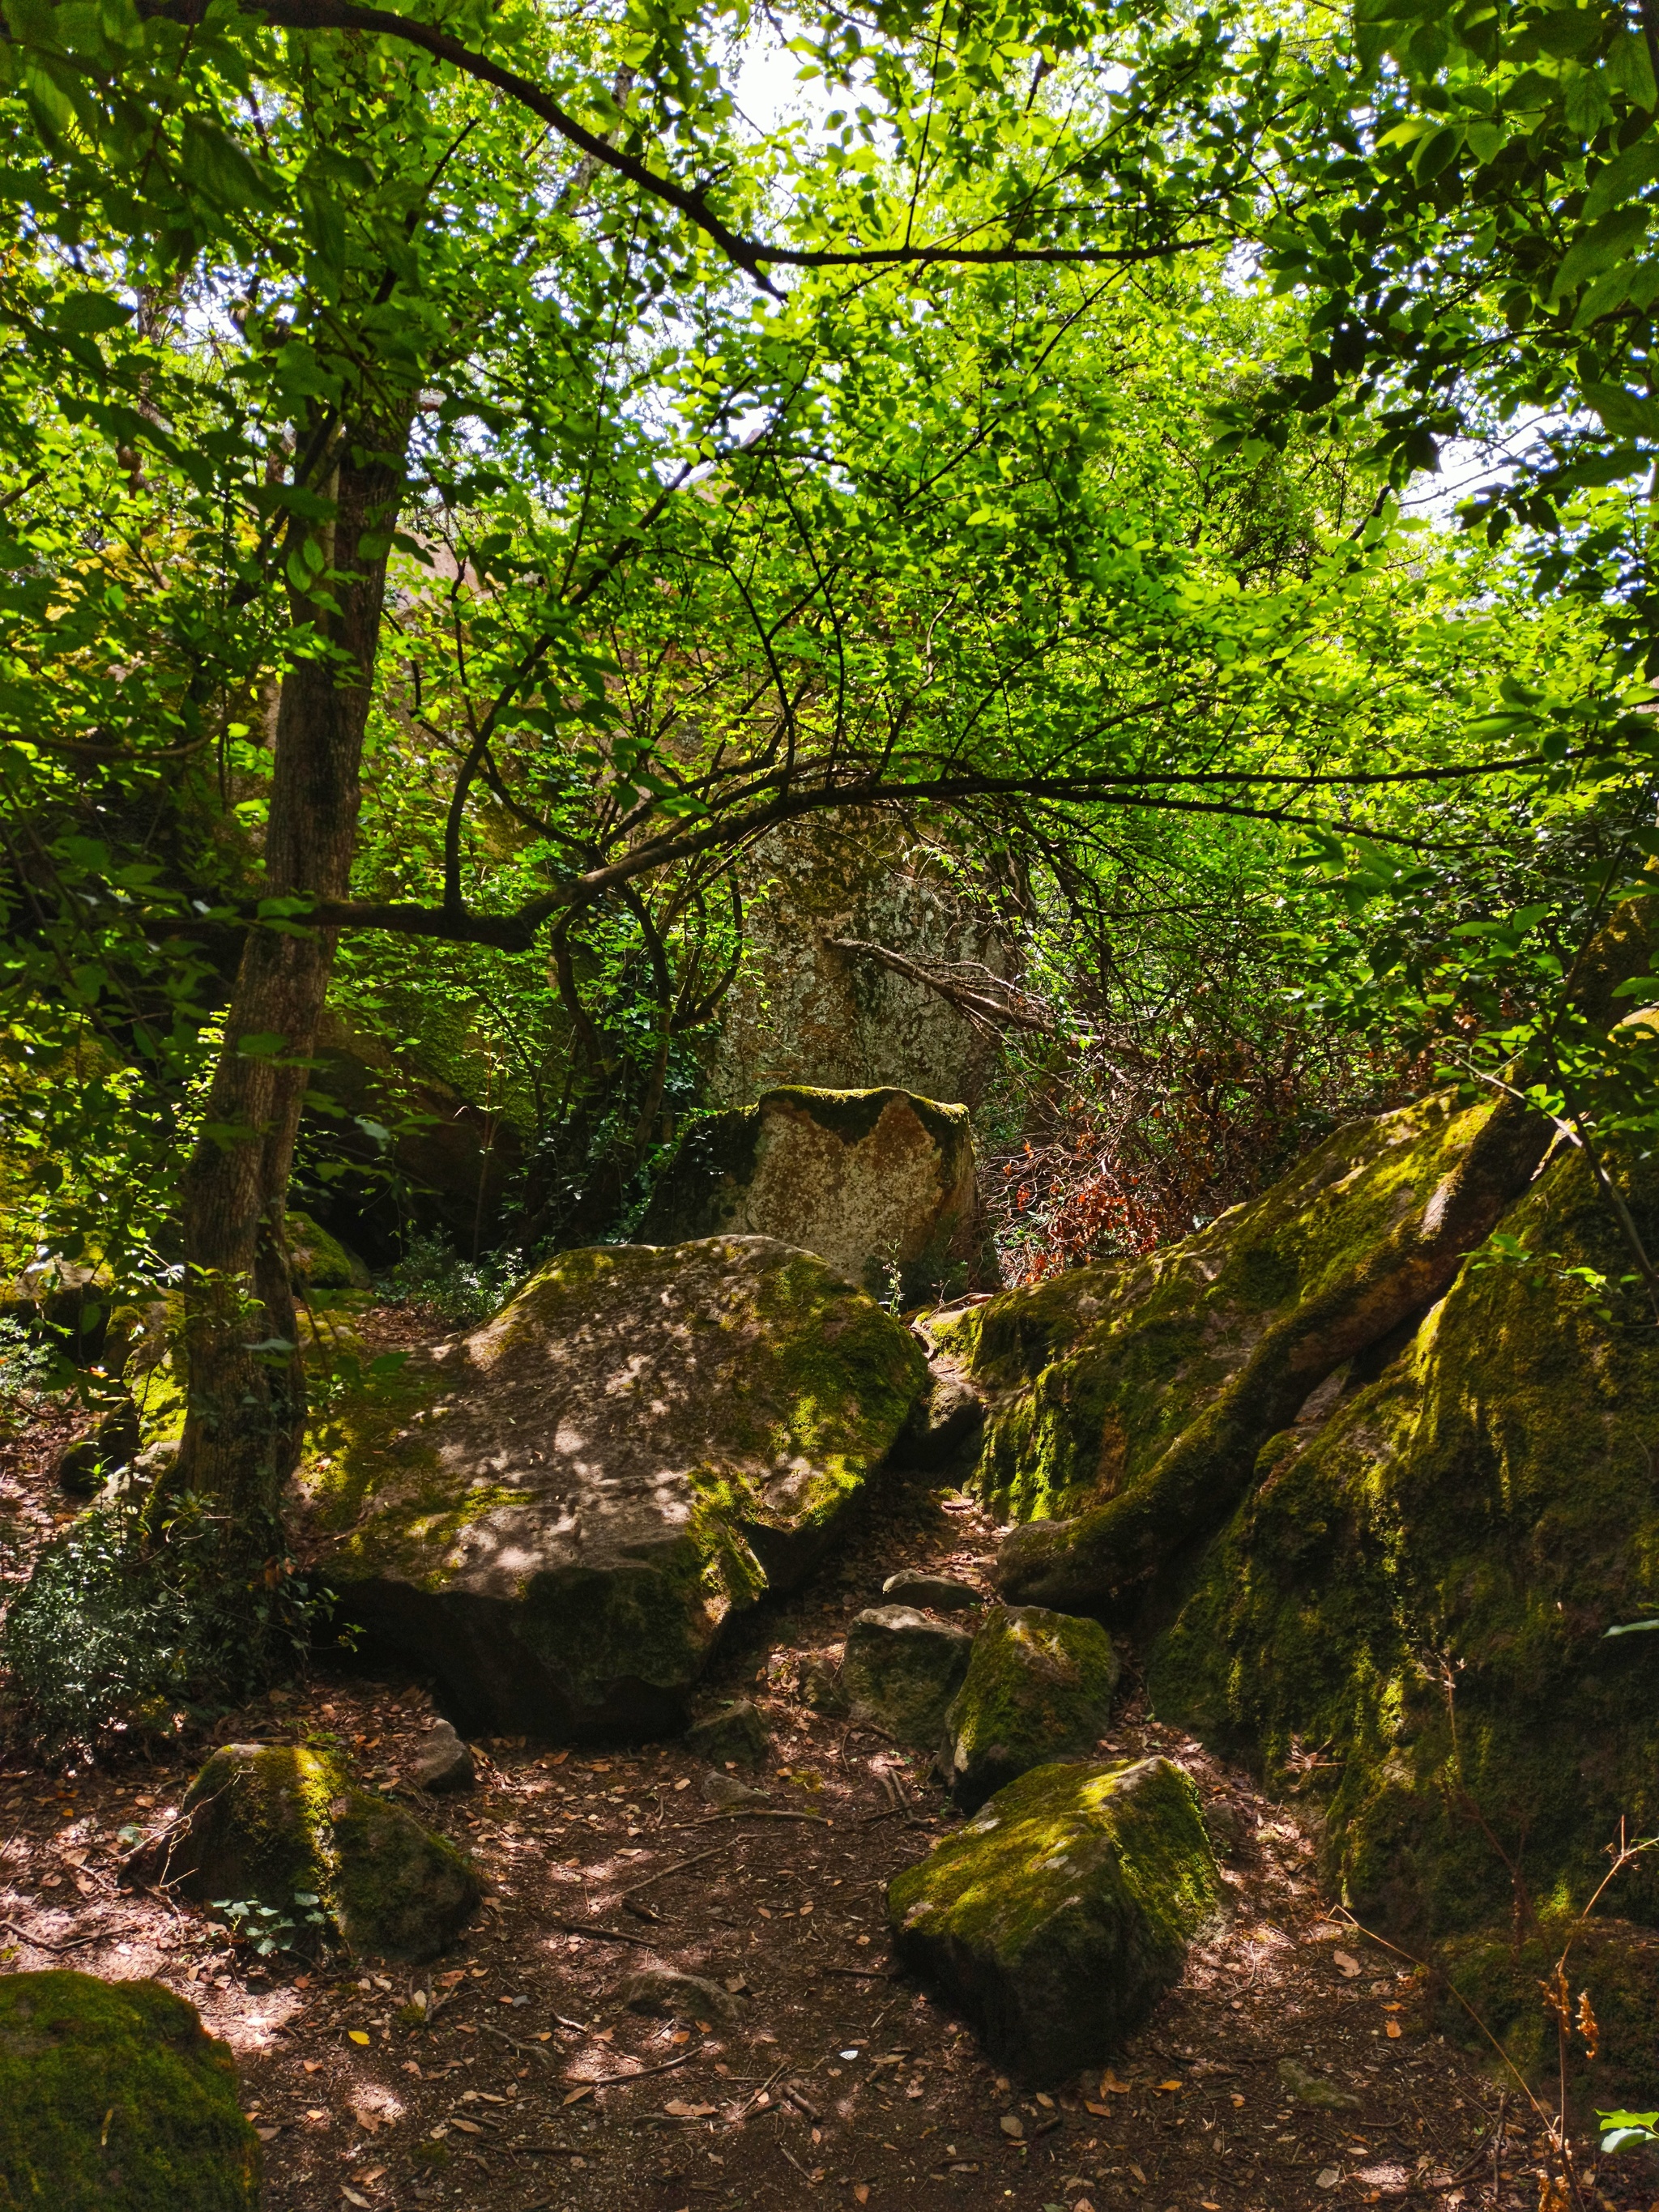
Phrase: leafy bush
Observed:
(432, 1272)
(121, 1629)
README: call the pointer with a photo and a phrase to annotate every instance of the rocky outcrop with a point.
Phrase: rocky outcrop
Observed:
(281, 1827)
(880, 1183)
(1062, 1912)
(558, 1514)
(1038, 1688)
(805, 1009)
(112, 2094)
(902, 1670)
(1385, 1578)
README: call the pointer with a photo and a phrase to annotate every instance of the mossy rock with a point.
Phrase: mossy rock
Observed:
(1418, 1589)
(880, 1183)
(559, 1513)
(282, 1826)
(1039, 1687)
(113, 2098)
(901, 1671)
(1062, 1912)
(1090, 1376)
(319, 1261)
(1499, 1982)
(736, 1734)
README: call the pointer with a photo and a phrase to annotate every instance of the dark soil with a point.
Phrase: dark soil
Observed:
(504, 2078)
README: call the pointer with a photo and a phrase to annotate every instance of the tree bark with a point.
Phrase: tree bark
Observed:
(246, 1406)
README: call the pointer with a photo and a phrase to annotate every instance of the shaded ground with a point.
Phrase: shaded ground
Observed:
(519, 2085)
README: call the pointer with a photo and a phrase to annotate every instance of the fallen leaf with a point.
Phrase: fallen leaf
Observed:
(352, 2196)
(1394, 2030)
(375, 2173)
(1013, 2126)
(861, 2194)
(1111, 2087)
(577, 2095)
(312, 2065)
(267, 2135)
(1137, 2174)
(1238, 2101)
(358, 2034)
(1346, 1967)
(1165, 2088)
(471, 2127)
(1100, 2111)
(1327, 2177)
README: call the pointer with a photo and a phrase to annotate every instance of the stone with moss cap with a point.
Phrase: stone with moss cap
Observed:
(319, 1261)
(558, 1514)
(880, 1183)
(1062, 1912)
(112, 2096)
(1038, 1688)
(281, 1826)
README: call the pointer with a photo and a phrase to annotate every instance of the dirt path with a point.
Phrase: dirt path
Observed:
(507, 2079)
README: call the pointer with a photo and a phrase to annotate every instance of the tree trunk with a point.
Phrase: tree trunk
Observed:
(246, 1409)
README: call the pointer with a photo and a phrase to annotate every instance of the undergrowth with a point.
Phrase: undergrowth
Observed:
(432, 1272)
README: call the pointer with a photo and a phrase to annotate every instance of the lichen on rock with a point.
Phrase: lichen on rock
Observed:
(1060, 1914)
(558, 1513)
(1039, 1687)
(879, 1183)
(112, 2096)
(282, 1826)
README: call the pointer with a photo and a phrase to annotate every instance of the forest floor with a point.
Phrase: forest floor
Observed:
(524, 2088)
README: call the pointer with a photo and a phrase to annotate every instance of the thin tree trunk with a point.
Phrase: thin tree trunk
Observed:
(246, 1411)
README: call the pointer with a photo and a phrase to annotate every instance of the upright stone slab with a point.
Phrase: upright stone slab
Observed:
(112, 2095)
(902, 1669)
(1039, 1688)
(1057, 1918)
(557, 1514)
(879, 1183)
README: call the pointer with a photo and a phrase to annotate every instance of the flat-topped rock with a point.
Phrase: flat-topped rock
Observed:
(557, 1514)
(902, 1670)
(938, 1593)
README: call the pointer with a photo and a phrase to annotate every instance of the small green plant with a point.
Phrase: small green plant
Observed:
(264, 1929)
(432, 1272)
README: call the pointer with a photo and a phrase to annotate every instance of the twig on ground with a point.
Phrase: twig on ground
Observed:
(604, 1935)
(680, 1866)
(617, 2081)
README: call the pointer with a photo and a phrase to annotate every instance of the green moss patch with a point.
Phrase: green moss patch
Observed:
(1092, 1375)
(1063, 1911)
(282, 1827)
(1418, 1592)
(112, 2097)
(1039, 1687)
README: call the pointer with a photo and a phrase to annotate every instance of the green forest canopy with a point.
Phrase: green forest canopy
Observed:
(463, 485)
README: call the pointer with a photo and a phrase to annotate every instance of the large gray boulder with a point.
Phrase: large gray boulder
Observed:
(558, 1514)
(879, 1183)
(1057, 1918)
(1039, 1688)
(902, 1670)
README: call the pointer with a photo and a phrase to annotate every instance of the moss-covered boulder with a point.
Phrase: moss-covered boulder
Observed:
(734, 1734)
(1038, 1688)
(112, 2097)
(1090, 1376)
(880, 1183)
(558, 1514)
(1057, 1918)
(902, 1670)
(1419, 1584)
(282, 1827)
(319, 1261)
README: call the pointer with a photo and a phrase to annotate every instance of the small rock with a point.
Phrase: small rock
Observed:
(939, 1592)
(723, 1790)
(683, 1996)
(1310, 2089)
(821, 1689)
(1225, 1824)
(947, 1422)
(86, 1466)
(1062, 1912)
(111, 2093)
(1039, 1687)
(446, 1763)
(901, 1671)
(735, 1732)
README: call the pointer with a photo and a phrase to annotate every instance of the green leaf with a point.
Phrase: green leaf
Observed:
(1637, 165)
(1604, 244)
(222, 172)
